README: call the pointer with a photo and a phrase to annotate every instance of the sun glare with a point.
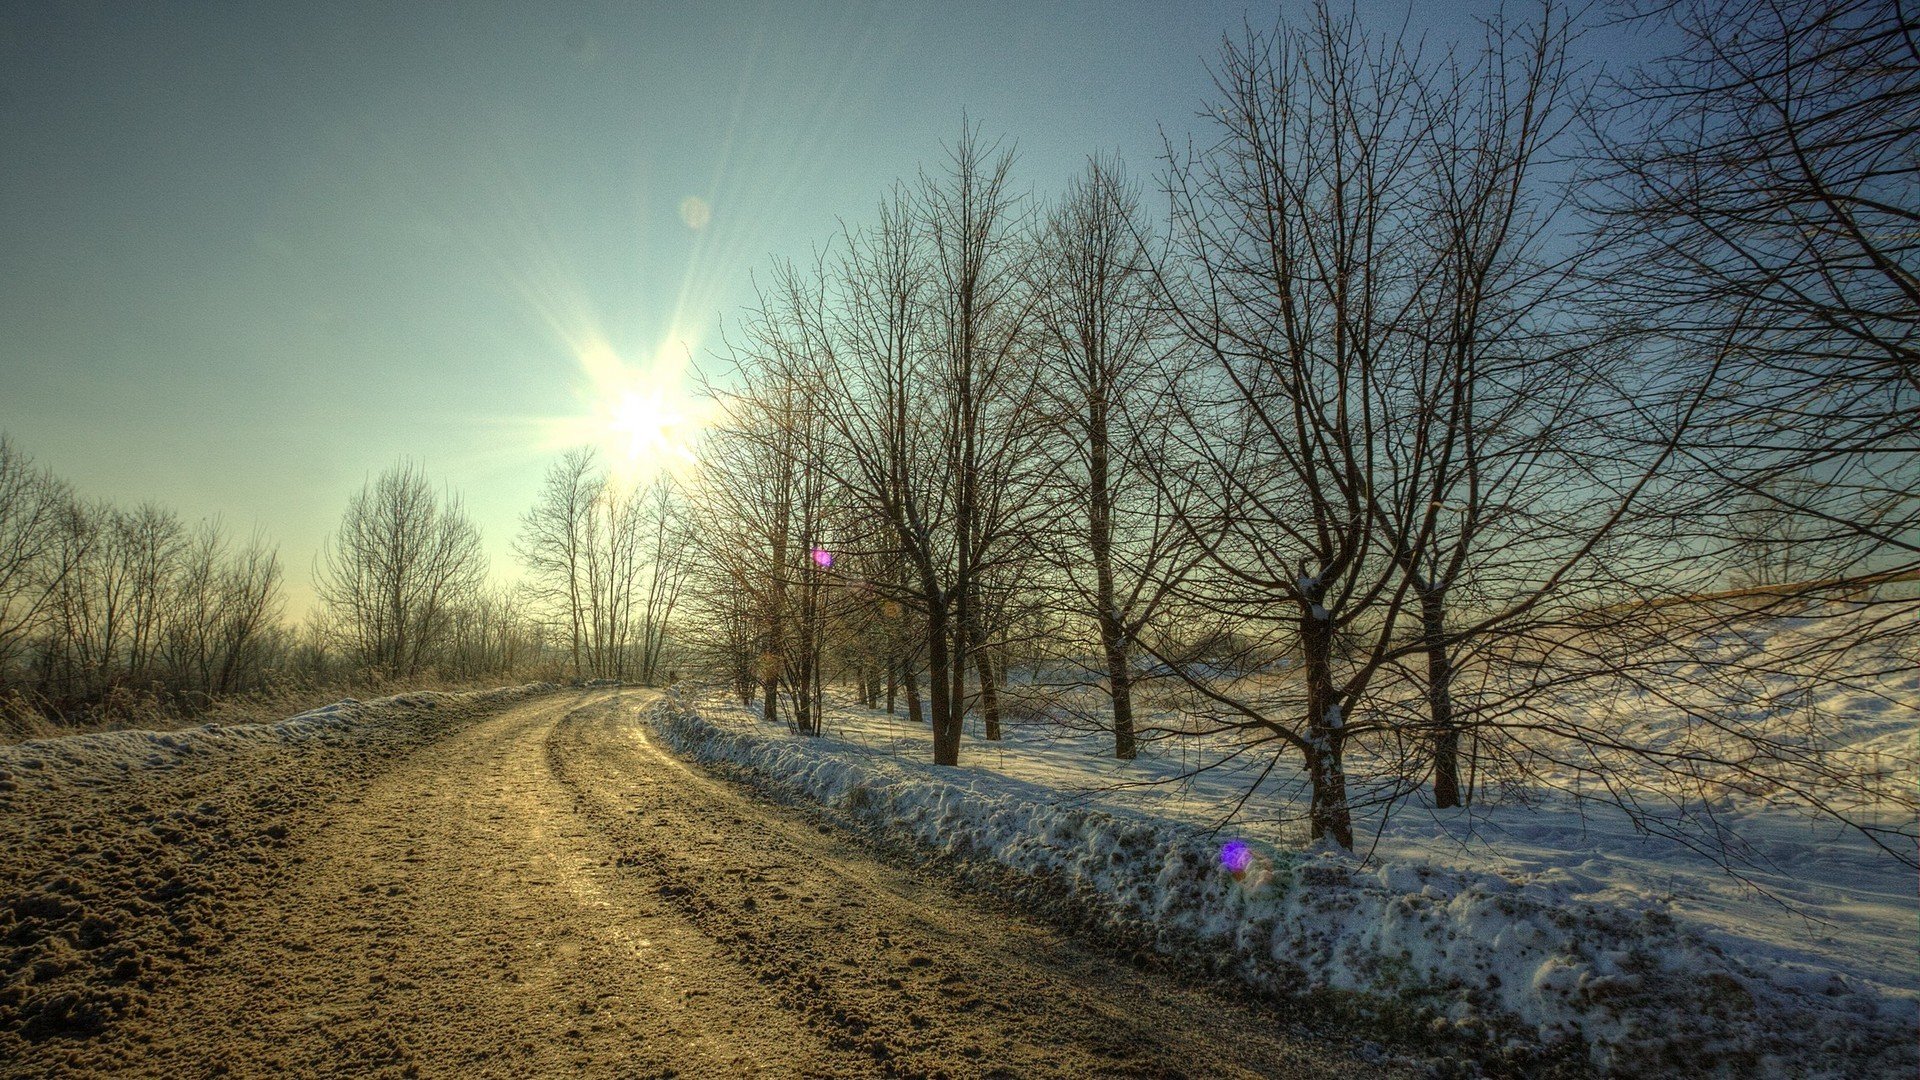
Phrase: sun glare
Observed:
(640, 416)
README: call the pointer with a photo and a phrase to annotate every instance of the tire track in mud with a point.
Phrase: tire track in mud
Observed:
(457, 919)
(124, 855)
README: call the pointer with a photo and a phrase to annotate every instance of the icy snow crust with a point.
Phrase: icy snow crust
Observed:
(120, 851)
(1498, 957)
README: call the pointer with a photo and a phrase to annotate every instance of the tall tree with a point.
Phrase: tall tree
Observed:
(1486, 402)
(986, 371)
(1298, 296)
(761, 506)
(1104, 330)
(669, 534)
(552, 545)
(399, 565)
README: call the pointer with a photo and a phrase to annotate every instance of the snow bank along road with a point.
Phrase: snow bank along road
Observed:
(526, 890)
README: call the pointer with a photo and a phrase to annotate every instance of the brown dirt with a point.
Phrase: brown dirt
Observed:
(545, 892)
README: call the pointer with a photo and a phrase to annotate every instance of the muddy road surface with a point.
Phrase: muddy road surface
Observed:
(545, 892)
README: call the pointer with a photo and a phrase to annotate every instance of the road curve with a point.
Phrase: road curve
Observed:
(547, 893)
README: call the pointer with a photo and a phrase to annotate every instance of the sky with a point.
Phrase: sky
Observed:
(252, 254)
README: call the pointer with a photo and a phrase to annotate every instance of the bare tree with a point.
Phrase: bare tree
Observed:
(401, 562)
(1298, 294)
(1104, 331)
(145, 544)
(188, 640)
(250, 607)
(982, 312)
(551, 545)
(1772, 544)
(666, 522)
(763, 500)
(1760, 185)
(220, 608)
(1500, 382)
(33, 507)
(892, 427)
(114, 569)
(610, 563)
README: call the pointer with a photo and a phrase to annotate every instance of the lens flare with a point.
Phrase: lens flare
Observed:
(822, 558)
(1236, 857)
(695, 213)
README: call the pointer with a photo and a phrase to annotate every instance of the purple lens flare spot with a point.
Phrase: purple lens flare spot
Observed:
(1236, 856)
(822, 558)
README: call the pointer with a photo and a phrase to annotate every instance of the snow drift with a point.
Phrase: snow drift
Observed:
(1474, 952)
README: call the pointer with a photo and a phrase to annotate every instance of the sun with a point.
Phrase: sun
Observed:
(642, 425)
(640, 416)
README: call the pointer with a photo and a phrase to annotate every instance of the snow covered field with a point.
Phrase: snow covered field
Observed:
(1542, 913)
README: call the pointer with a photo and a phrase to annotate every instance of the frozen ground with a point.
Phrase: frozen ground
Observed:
(495, 887)
(1543, 906)
(120, 850)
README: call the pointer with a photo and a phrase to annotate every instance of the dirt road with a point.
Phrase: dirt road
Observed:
(545, 892)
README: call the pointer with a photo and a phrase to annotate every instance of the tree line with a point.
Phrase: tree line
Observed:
(1443, 387)
(100, 605)
(114, 616)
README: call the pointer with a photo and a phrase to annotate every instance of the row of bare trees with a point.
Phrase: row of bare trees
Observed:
(98, 601)
(405, 597)
(880, 441)
(108, 614)
(605, 566)
(1441, 375)
(405, 593)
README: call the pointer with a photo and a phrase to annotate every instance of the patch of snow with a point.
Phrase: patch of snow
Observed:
(94, 753)
(1555, 914)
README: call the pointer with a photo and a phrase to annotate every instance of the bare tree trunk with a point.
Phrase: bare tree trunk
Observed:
(1101, 327)
(911, 682)
(989, 695)
(818, 665)
(945, 701)
(1100, 522)
(1446, 737)
(770, 678)
(1120, 688)
(1327, 814)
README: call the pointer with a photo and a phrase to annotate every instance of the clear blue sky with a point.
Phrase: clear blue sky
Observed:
(252, 253)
